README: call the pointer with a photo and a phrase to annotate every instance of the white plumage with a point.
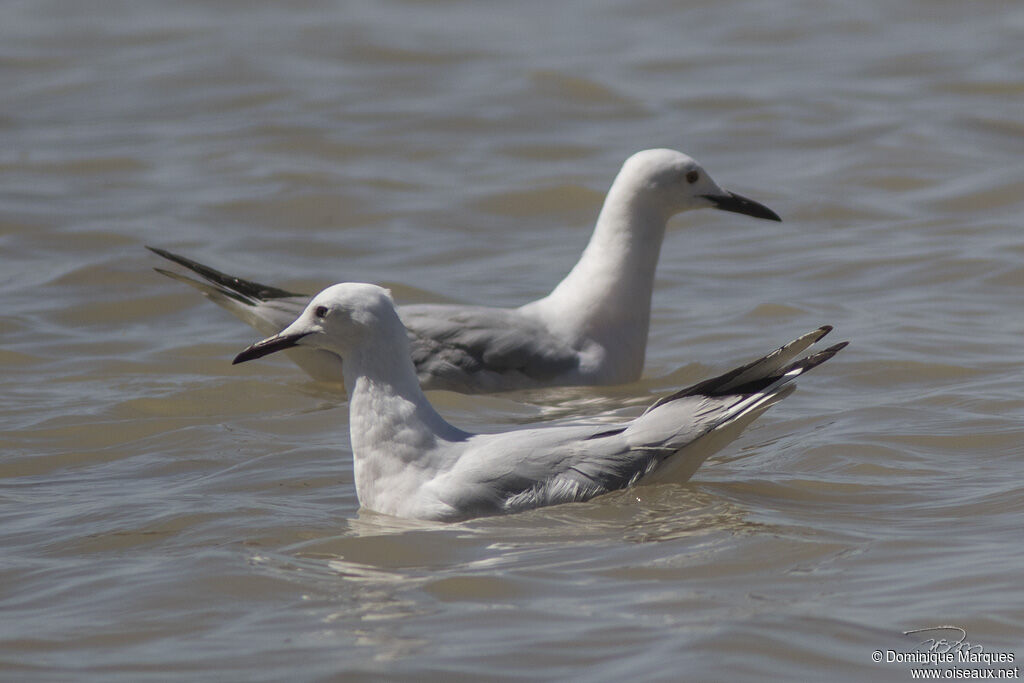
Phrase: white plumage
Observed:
(410, 462)
(590, 330)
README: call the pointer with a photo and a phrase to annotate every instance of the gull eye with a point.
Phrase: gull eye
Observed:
(692, 177)
(320, 311)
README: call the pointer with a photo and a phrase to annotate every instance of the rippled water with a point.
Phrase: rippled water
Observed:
(164, 515)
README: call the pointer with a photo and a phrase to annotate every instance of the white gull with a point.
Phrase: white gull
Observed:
(410, 462)
(590, 330)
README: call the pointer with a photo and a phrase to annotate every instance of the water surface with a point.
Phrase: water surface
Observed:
(165, 515)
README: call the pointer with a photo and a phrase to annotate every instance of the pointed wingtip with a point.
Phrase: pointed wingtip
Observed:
(816, 359)
(836, 348)
(176, 258)
(245, 291)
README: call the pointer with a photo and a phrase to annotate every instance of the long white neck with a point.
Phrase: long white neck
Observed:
(392, 426)
(607, 295)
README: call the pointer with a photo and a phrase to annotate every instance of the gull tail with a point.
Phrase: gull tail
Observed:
(760, 393)
(764, 375)
(243, 291)
(266, 308)
(741, 395)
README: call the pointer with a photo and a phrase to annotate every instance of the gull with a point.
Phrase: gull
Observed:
(590, 330)
(409, 462)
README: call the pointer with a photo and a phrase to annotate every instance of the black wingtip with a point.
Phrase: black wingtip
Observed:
(168, 273)
(833, 350)
(816, 359)
(232, 286)
(713, 386)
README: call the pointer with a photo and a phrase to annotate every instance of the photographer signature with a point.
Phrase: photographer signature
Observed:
(943, 645)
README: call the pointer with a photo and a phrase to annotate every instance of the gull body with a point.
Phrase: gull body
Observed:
(410, 462)
(590, 330)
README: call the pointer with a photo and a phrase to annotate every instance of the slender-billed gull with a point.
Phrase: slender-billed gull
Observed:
(591, 329)
(410, 462)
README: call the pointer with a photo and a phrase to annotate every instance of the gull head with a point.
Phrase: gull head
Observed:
(338, 319)
(674, 182)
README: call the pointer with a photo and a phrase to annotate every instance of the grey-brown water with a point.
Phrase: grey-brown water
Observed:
(164, 515)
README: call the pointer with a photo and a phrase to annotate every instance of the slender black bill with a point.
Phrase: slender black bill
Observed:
(730, 201)
(268, 346)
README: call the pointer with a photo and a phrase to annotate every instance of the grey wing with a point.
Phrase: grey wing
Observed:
(537, 467)
(482, 348)
(670, 440)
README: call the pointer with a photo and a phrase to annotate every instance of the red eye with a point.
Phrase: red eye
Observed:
(692, 177)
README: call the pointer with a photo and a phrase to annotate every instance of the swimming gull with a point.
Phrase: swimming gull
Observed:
(410, 462)
(590, 330)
